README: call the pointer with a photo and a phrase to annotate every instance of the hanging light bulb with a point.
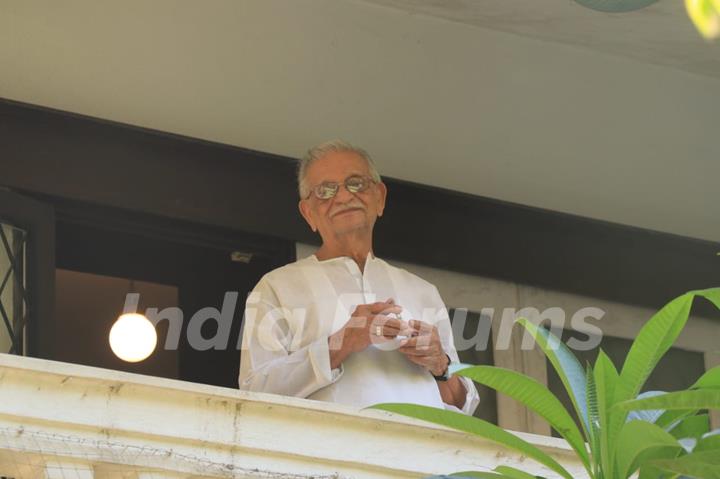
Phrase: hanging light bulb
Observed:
(133, 337)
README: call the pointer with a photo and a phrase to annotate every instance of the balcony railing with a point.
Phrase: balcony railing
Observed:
(64, 421)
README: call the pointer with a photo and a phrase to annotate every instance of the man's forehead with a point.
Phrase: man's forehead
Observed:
(338, 165)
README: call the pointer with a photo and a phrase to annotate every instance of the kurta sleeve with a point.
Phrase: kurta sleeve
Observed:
(472, 398)
(268, 360)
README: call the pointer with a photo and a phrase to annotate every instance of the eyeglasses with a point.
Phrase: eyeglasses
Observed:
(328, 189)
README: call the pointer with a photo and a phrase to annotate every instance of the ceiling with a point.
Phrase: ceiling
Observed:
(541, 103)
(660, 34)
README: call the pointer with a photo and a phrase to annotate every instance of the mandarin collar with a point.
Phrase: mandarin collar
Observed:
(370, 257)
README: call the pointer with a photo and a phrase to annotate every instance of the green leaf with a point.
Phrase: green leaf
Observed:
(647, 471)
(514, 473)
(567, 366)
(593, 423)
(651, 415)
(478, 427)
(651, 343)
(474, 474)
(711, 442)
(536, 397)
(640, 438)
(709, 380)
(711, 294)
(704, 15)
(699, 465)
(606, 379)
(655, 338)
(694, 399)
(693, 426)
(669, 419)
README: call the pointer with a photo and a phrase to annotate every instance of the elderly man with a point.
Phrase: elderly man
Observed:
(343, 325)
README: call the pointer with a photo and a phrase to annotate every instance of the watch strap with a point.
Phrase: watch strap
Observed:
(445, 375)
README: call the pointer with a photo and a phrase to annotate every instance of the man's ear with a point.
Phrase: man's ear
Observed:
(304, 207)
(382, 189)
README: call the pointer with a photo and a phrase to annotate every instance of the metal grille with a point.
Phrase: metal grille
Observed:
(13, 291)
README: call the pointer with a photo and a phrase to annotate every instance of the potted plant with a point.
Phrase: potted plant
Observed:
(621, 431)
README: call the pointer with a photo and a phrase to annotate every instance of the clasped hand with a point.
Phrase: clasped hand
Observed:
(421, 343)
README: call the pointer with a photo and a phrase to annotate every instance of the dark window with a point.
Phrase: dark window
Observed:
(475, 347)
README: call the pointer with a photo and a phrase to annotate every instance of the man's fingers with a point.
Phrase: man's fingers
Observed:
(387, 321)
(399, 324)
(421, 343)
(420, 325)
(414, 352)
(421, 328)
(390, 328)
(383, 331)
(384, 306)
(418, 341)
(421, 351)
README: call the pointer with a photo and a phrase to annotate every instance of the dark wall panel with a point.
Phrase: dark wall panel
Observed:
(101, 162)
(69, 156)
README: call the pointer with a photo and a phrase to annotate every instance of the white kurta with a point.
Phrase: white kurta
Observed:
(294, 309)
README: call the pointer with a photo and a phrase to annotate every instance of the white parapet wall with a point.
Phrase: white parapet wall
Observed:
(64, 421)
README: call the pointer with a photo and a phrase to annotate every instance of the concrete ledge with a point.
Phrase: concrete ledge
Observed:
(114, 424)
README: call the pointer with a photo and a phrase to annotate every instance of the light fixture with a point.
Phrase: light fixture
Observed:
(133, 337)
(615, 6)
(705, 14)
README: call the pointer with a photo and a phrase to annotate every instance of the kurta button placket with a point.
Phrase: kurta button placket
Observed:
(367, 290)
(355, 273)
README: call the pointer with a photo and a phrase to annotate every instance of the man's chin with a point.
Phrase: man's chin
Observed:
(342, 230)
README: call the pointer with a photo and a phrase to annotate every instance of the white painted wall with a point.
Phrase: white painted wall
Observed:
(440, 103)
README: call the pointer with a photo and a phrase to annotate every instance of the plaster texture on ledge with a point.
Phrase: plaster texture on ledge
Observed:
(107, 424)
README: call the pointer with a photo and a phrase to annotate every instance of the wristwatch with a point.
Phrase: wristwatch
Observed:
(446, 375)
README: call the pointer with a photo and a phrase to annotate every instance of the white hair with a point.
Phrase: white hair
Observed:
(317, 152)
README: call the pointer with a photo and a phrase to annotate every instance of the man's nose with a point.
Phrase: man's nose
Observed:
(343, 195)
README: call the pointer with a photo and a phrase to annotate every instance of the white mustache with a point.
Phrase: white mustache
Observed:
(348, 206)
